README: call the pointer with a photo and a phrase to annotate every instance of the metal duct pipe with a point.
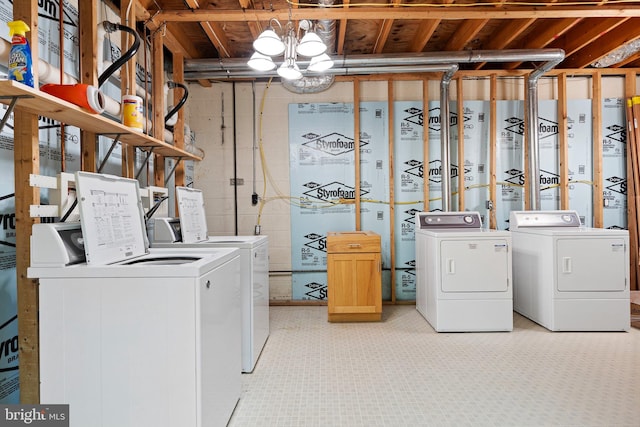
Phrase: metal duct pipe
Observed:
(217, 75)
(534, 145)
(228, 67)
(534, 134)
(445, 140)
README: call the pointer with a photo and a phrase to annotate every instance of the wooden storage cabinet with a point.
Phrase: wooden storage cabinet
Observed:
(354, 276)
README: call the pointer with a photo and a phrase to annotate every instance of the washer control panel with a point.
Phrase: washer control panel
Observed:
(426, 220)
(547, 219)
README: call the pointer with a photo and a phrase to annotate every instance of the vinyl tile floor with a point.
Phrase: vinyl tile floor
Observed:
(400, 372)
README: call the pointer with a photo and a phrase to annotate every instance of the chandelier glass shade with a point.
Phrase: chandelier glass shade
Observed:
(260, 62)
(269, 44)
(320, 63)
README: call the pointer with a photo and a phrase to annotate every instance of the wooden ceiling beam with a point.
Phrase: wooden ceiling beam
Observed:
(385, 30)
(383, 35)
(183, 48)
(505, 36)
(465, 33)
(413, 13)
(584, 33)
(542, 38)
(624, 33)
(342, 32)
(216, 35)
(425, 31)
(424, 34)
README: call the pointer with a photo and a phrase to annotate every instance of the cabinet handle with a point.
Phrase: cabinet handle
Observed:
(451, 266)
(354, 245)
(208, 285)
(566, 264)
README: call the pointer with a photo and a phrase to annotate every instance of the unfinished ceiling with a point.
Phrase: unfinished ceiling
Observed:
(588, 31)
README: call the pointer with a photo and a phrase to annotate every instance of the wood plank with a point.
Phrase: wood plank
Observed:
(217, 36)
(178, 129)
(507, 33)
(624, 33)
(342, 30)
(596, 102)
(465, 33)
(385, 30)
(392, 228)
(584, 33)
(423, 34)
(493, 141)
(88, 22)
(632, 223)
(356, 149)
(27, 161)
(563, 140)
(128, 83)
(157, 90)
(36, 102)
(634, 175)
(413, 13)
(26, 156)
(632, 183)
(383, 35)
(425, 144)
(527, 172)
(542, 38)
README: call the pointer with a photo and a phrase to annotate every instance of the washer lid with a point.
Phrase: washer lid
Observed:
(111, 217)
(193, 222)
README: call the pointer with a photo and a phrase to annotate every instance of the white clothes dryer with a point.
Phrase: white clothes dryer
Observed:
(568, 277)
(152, 338)
(463, 273)
(190, 231)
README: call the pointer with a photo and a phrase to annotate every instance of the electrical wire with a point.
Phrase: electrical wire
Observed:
(183, 99)
(154, 208)
(125, 57)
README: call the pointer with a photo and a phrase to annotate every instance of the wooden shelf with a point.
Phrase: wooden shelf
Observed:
(43, 104)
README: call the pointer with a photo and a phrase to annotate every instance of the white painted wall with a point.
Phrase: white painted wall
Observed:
(268, 104)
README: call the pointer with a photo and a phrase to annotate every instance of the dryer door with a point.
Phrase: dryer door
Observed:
(591, 264)
(474, 265)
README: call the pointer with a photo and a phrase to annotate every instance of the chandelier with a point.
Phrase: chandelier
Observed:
(269, 44)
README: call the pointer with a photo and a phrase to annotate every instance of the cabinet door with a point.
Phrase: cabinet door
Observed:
(354, 283)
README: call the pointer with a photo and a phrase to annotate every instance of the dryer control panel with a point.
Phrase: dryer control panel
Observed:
(545, 219)
(428, 220)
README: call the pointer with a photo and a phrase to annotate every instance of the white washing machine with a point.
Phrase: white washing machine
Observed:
(568, 277)
(190, 231)
(131, 336)
(463, 273)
